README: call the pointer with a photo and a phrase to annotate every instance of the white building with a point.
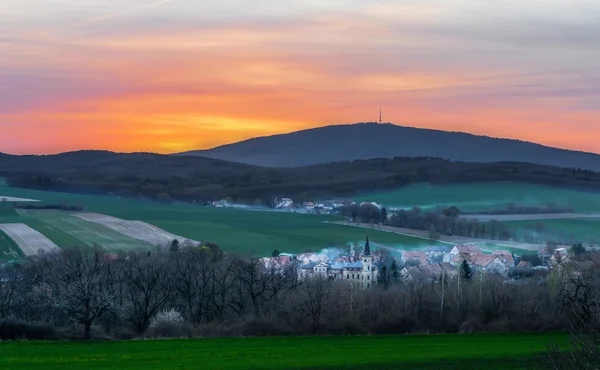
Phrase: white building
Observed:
(362, 272)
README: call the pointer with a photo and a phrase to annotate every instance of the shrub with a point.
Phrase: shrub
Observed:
(167, 329)
(396, 324)
(263, 326)
(20, 330)
(171, 316)
(470, 326)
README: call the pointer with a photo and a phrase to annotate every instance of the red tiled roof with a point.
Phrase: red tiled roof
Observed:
(477, 259)
(410, 255)
(505, 254)
(468, 248)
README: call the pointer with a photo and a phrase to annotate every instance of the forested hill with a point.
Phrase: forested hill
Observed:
(191, 178)
(369, 140)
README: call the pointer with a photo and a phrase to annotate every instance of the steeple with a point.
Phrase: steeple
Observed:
(367, 248)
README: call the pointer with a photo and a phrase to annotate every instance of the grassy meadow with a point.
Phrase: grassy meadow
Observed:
(234, 230)
(467, 351)
(483, 196)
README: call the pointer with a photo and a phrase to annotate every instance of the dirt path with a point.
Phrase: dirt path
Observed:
(453, 240)
(546, 216)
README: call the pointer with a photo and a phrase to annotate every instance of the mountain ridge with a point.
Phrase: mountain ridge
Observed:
(348, 142)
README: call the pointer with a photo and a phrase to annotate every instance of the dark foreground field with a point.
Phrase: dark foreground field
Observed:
(477, 351)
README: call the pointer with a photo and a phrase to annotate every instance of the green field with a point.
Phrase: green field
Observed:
(468, 351)
(234, 230)
(91, 233)
(8, 248)
(484, 196)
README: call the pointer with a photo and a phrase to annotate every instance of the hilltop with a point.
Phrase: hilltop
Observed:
(339, 143)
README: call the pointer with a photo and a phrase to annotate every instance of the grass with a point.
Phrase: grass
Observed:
(490, 351)
(234, 230)
(9, 250)
(483, 196)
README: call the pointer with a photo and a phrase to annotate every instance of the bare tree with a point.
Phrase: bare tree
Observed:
(81, 286)
(314, 299)
(148, 288)
(582, 297)
(193, 276)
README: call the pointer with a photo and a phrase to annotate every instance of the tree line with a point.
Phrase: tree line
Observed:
(188, 291)
(448, 222)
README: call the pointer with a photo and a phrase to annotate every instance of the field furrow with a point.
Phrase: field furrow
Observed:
(29, 240)
(90, 233)
(134, 229)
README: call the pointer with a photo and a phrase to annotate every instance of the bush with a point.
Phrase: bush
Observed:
(20, 330)
(263, 326)
(348, 327)
(166, 329)
(215, 330)
(396, 324)
(470, 326)
(77, 332)
(166, 316)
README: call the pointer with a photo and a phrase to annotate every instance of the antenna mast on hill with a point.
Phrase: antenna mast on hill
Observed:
(380, 121)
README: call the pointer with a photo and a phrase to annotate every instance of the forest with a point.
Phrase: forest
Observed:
(197, 179)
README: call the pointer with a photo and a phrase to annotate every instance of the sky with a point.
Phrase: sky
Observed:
(174, 75)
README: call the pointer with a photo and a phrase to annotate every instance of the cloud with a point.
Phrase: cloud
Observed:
(163, 75)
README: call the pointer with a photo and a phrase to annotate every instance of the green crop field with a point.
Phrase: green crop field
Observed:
(89, 233)
(234, 230)
(8, 248)
(483, 196)
(468, 351)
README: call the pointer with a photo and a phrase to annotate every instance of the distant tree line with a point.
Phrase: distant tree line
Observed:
(448, 222)
(515, 209)
(62, 207)
(201, 180)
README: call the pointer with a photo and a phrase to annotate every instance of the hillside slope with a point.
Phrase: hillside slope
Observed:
(369, 140)
(116, 165)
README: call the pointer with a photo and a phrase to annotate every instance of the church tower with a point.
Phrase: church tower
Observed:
(369, 275)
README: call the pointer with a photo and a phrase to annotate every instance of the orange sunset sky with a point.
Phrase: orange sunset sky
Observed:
(176, 75)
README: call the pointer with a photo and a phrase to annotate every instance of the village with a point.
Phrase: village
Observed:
(360, 264)
(289, 205)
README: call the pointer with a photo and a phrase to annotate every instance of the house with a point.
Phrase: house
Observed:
(479, 262)
(414, 256)
(580, 264)
(365, 204)
(276, 262)
(284, 203)
(506, 257)
(437, 251)
(432, 272)
(464, 248)
(309, 205)
(525, 265)
(362, 272)
(559, 256)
